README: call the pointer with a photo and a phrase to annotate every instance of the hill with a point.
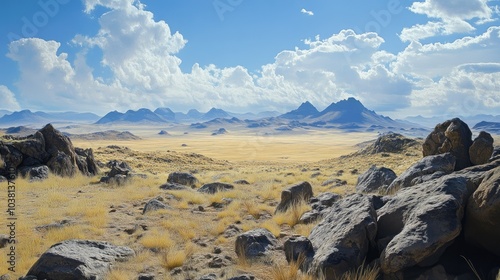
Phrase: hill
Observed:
(305, 110)
(492, 127)
(131, 116)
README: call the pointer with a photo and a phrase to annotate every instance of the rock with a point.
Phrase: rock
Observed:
(35, 173)
(212, 188)
(342, 239)
(55, 225)
(61, 150)
(62, 164)
(163, 132)
(298, 249)
(319, 205)
(294, 194)
(183, 179)
(255, 243)
(210, 276)
(86, 162)
(481, 149)
(243, 277)
(4, 240)
(3, 179)
(79, 260)
(173, 187)
(5, 277)
(241, 182)
(154, 205)
(146, 277)
(375, 179)
(118, 180)
(118, 163)
(33, 146)
(389, 143)
(482, 224)
(218, 262)
(117, 170)
(417, 224)
(11, 156)
(495, 155)
(426, 169)
(453, 136)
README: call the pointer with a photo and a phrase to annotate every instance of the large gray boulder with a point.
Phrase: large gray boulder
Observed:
(426, 169)
(319, 205)
(212, 188)
(154, 205)
(86, 162)
(294, 194)
(35, 173)
(375, 179)
(79, 260)
(255, 243)
(481, 149)
(419, 223)
(342, 239)
(182, 178)
(482, 222)
(33, 146)
(452, 136)
(61, 150)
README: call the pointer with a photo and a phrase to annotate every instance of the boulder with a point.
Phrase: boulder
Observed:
(375, 179)
(35, 173)
(389, 143)
(482, 223)
(79, 260)
(255, 243)
(4, 240)
(86, 162)
(61, 150)
(212, 188)
(117, 170)
(154, 205)
(428, 168)
(342, 239)
(481, 149)
(173, 187)
(294, 194)
(183, 179)
(298, 249)
(319, 205)
(243, 277)
(118, 163)
(495, 155)
(118, 180)
(33, 146)
(417, 224)
(62, 164)
(452, 136)
(11, 156)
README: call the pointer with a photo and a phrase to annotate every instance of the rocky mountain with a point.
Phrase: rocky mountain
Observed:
(215, 113)
(4, 112)
(165, 113)
(492, 127)
(305, 110)
(131, 116)
(27, 117)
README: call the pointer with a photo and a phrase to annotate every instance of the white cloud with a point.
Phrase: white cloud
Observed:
(9, 101)
(309, 13)
(453, 17)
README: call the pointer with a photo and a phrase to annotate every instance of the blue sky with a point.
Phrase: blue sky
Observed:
(429, 57)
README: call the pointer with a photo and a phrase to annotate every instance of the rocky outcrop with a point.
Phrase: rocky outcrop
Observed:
(79, 260)
(481, 149)
(182, 178)
(375, 179)
(35, 173)
(119, 174)
(454, 136)
(319, 205)
(419, 223)
(294, 194)
(389, 143)
(299, 249)
(342, 239)
(482, 223)
(212, 188)
(255, 243)
(426, 169)
(46, 147)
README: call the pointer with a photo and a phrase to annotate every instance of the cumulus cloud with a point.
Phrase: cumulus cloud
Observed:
(309, 13)
(9, 101)
(453, 17)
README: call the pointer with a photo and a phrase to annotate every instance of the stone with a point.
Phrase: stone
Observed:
(4, 240)
(481, 149)
(241, 182)
(117, 170)
(375, 179)
(452, 136)
(426, 169)
(62, 164)
(389, 143)
(33, 146)
(243, 277)
(186, 179)
(342, 239)
(298, 249)
(212, 188)
(154, 205)
(294, 194)
(35, 173)
(11, 156)
(319, 205)
(79, 260)
(118, 163)
(482, 223)
(173, 187)
(417, 224)
(210, 276)
(86, 162)
(61, 150)
(255, 243)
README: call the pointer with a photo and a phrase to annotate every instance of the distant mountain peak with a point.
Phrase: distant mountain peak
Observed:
(305, 109)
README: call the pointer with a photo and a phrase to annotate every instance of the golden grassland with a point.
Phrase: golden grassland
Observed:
(167, 239)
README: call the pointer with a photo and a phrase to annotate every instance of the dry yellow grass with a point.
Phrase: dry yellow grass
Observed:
(293, 214)
(157, 240)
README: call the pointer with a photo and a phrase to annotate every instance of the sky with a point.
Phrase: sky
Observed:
(399, 58)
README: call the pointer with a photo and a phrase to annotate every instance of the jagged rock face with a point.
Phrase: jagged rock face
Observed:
(452, 136)
(342, 240)
(79, 260)
(57, 144)
(426, 169)
(481, 149)
(375, 179)
(419, 223)
(482, 223)
(33, 147)
(294, 194)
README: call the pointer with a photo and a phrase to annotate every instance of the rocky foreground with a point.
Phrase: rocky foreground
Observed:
(437, 220)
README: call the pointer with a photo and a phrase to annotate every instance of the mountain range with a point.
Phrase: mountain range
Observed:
(26, 117)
